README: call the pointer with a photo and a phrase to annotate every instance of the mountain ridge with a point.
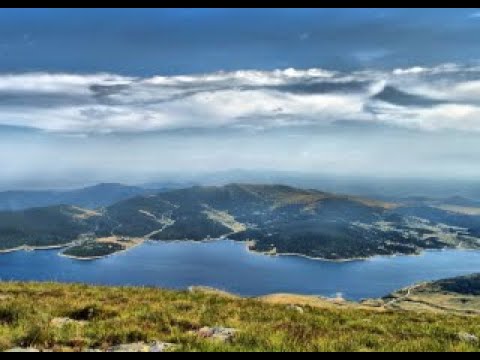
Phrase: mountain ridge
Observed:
(91, 197)
(273, 219)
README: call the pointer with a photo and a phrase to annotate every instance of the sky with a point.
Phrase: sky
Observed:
(92, 95)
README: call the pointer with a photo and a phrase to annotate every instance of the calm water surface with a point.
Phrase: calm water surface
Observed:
(229, 266)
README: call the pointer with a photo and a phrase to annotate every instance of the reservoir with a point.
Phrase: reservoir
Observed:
(229, 266)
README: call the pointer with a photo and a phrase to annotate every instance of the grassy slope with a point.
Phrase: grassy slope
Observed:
(456, 295)
(122, 315)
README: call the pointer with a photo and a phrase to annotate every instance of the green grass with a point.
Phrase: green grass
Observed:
(124, 315)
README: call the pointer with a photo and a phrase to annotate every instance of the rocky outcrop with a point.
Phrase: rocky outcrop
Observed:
(141, 347)
(217, 333)
(466, 337)
(296, 308)
(23, 350)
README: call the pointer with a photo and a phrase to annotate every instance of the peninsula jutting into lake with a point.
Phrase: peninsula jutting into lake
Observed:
(273, 219)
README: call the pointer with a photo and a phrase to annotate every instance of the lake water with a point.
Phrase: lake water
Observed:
(229, 266)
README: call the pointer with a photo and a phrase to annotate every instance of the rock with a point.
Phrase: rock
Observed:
(205, 332)
(153, 347)
(130, 348)
(296, 308)
(61, 322)
(158, 347)
(23, 350)
(141, 347)
(468, 337)
(217, 333)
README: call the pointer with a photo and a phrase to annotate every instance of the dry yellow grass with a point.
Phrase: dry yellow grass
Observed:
(84, 214)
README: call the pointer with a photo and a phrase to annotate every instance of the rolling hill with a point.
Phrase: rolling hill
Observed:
(460, 295)
(274, 219)
(41, 227)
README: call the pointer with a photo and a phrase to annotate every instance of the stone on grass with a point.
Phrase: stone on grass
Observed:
(141, 347)
(23, 350)
(468, 337)
(217, 333)
(296, 308)
(63, 321)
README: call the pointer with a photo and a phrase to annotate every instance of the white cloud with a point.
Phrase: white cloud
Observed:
(242, 77)
(410, 71)
(440, 117)
(436, 70)
(103, 103)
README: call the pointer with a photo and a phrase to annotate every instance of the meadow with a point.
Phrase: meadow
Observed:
(106, 316)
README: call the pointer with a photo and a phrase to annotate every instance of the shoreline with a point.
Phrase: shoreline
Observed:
(92, 258)
(35, 248)
(346, 260)
(338, 299)
(248, 244)
(254, 252)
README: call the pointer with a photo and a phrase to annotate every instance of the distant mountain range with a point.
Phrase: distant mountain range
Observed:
(385, 189)
(275, 219)
(91, 197)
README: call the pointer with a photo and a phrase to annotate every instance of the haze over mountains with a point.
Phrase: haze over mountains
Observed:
(419, 122)
(90, 197)
(451, 191)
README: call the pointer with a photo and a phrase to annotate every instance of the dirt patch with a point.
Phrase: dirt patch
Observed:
(84, 214)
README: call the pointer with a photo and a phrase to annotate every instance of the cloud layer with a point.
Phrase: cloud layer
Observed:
(446, 97)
